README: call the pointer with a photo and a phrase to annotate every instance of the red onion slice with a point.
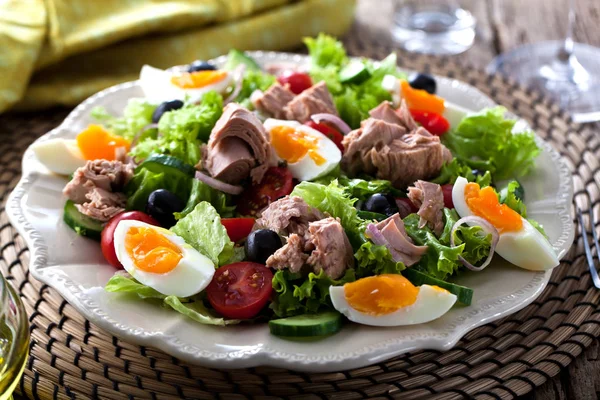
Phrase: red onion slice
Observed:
(217, 184)
(238, 77)
(487, 227)
(333, 119)
(138, 135)
(377, 237)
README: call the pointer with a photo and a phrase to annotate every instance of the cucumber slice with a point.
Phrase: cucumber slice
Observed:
(418, 278)
(167, 161)
(355, 72)
(81, 223)
(236, 57)
(307, 325)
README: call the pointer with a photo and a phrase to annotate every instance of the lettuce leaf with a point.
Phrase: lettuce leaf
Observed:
(295, 294)
(361, 189)
(512, 195)
(335, 201)
(455, 168)
(202, 229)
(136, 115)
(192, 307)
(253, 80)
(200, 191)
(488, 136)
(372, 259)
(325, 51)
(146, 180)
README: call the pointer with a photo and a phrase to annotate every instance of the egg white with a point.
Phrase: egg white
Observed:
(61, 156)
(191, 275)
(157, 86)
(430, 305)
(527, 248)
(306, 169)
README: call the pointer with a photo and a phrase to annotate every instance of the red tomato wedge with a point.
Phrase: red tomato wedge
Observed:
(277, 182)
(297, 81)
(447, 190)
(240, 290)
(433, 122)
(238, 228)
(332, 133)
(107, 238)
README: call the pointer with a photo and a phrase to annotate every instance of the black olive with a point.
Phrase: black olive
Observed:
(261, 244)
(161, 206)
(164, 107)
(200, 65)
(382, 204)
(424, 82)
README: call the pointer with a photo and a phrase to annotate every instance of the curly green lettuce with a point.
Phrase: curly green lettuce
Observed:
(452, 170)
(136, 115)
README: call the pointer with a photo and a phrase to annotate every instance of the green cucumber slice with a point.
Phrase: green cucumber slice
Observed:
(307, 325)
(355, 72)
(464, 294)
(81, 223)
(167, 161)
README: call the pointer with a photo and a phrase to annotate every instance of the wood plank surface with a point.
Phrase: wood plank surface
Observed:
(501, 26)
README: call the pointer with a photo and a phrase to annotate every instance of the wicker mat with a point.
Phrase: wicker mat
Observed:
(71, 358)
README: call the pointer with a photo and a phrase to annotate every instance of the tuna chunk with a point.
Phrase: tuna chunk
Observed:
(290, 256)
(273, 101)
(288, 215)
(314, 100)
(238, 147)
(430, 200)
(96, 187)
(401, 246)
(332, 250)
(386, 113)
(102, 204)
(400, 153)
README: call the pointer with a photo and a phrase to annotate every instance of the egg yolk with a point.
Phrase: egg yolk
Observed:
(485, 204)
(292, 145)
(95, 143)
(418, 99)
(151, 251)
(380, 295)
(198, 79)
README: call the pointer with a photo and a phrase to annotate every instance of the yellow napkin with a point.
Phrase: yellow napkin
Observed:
(61, 51)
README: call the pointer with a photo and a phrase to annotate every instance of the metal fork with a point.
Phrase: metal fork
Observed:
(588, 250)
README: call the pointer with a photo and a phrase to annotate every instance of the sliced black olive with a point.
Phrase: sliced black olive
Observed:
(424, 82)
(200, 65)
(164, 107)
(261, 244)
(382, 204)
(161, 206)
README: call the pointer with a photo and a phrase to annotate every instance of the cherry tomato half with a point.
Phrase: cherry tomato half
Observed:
(447, 190)
(276, 183)
(433, 122)
(107, 238)
(238, 228)
(298, 81)
(332, 133)
(240, 290)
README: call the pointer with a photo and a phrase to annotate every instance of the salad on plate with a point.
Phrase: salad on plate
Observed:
(301, 195)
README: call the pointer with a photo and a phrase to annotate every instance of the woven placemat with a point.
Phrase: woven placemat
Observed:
(72, 358)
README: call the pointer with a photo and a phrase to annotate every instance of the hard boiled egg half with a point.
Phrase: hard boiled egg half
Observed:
(520, 243)
(64, 156)
(159, 85)
(390, 300)
(162, 260)
(308, 153)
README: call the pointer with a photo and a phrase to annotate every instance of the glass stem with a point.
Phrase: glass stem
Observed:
(566, 51)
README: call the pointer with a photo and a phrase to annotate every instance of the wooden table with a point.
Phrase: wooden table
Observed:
(501, 26)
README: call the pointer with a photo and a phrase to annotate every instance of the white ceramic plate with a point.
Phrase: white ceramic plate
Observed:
(74, 266)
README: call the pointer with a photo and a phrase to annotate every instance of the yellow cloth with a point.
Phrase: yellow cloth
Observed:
(61, 51)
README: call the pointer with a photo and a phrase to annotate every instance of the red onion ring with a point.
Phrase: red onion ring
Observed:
(377, 237)
(217, 184)
(487, 227)
(137, 136)
(333, 119)
(238, 76)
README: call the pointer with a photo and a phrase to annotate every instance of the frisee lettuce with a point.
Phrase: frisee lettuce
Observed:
(136, 115)
(488, 135)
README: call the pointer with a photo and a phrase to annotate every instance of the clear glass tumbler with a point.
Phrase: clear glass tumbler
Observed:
(14, 339)
(433, 26)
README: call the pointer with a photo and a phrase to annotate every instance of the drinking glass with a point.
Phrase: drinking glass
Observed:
(14, 339)
(567, 71)
(433, 26)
